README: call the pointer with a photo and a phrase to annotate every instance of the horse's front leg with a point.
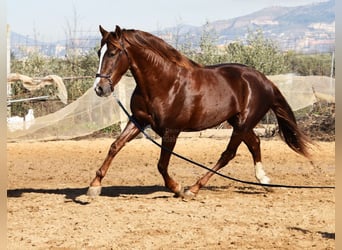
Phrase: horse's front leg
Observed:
(130, 132)
(168, 143)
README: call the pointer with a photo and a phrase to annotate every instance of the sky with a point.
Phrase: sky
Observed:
(49, 20)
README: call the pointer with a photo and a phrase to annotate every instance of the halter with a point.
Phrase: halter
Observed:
(108, 77)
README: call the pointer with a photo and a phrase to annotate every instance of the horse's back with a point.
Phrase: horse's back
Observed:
(242, 78)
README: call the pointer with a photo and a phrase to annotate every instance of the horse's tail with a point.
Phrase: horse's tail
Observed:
(288, 128)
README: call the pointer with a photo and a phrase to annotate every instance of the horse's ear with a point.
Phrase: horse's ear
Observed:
(103, 31)
(117, 31)
(115, 37)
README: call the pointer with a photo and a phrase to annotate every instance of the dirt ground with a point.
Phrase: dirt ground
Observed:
(48, 208)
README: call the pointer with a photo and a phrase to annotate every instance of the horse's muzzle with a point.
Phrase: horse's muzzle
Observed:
(103, 90)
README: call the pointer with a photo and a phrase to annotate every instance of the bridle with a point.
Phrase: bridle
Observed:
(108, 76)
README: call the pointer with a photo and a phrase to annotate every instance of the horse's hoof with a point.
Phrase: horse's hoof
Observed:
(265, 180)
(179, 192)
(94, 191)
(189, 195)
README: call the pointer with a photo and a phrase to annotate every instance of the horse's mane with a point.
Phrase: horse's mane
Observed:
(157, 49)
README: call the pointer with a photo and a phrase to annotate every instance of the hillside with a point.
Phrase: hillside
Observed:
(308, 29)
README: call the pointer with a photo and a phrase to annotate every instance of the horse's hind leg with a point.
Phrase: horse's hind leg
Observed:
(226, 156)
(128, 134)
(168, 143)
(253, 143)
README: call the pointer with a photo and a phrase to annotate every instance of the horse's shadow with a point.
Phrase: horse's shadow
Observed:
(73, 194)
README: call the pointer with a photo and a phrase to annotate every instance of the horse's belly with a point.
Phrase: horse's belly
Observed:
(209, 121)
(196, 120)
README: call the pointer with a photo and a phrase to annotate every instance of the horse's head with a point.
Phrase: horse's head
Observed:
(113, 64)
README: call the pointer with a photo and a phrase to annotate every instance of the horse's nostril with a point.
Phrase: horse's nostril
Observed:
(99, 90)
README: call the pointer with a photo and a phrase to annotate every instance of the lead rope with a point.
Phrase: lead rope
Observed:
(131, 118)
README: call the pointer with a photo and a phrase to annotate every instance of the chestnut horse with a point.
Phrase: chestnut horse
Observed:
(174, 94)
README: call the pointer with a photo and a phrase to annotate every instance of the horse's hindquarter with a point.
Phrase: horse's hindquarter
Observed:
(219, 92)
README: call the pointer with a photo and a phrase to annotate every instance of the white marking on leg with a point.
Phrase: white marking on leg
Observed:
(260, 174)
(94, 191)
(102, 52)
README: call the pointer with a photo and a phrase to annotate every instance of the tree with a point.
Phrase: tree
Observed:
(319, 64)
(258, 52)
(209, 53)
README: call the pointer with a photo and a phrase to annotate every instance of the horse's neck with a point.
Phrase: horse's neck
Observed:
(153, 78)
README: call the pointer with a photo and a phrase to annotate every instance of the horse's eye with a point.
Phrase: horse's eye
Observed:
(111, 54)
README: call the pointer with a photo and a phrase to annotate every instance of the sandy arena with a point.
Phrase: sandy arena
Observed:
(48, 208)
